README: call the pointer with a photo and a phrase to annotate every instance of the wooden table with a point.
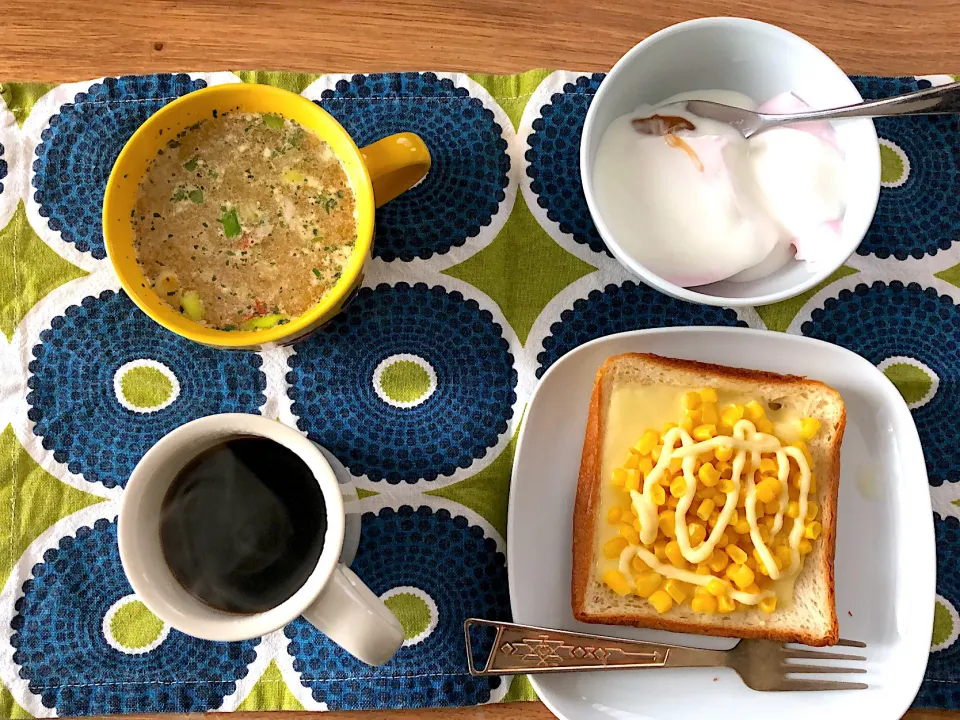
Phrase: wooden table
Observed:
(73, 40)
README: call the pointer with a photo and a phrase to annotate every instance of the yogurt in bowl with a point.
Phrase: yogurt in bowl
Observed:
(697, 211)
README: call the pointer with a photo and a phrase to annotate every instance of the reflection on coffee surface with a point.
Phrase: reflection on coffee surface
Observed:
(242, 525)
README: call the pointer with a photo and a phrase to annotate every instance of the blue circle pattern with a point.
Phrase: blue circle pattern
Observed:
(465, 184)
(83, 140)
(72, 398)
(554, 157)
(618, 308)
(921, 217)
(61, 651)
(464, 574)
(3, 167)
(941, 685)
(881, 321)
(331, 383)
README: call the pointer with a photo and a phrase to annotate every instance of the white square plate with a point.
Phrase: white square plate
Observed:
(885, 559)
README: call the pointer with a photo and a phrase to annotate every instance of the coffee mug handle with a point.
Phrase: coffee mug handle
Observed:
(353, 617)
(396, 163)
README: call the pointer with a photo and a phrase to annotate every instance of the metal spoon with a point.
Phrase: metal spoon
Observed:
(941, 100)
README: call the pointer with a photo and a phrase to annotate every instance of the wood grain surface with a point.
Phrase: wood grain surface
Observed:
(77, 39)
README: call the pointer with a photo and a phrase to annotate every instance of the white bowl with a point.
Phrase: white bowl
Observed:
(761, 61)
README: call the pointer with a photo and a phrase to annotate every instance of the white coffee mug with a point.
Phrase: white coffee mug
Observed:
(333, 598)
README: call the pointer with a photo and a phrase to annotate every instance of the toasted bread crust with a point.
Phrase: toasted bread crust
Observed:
(588, 497)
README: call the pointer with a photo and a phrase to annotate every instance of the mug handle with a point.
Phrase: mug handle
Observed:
(353, 617)
(396, 163)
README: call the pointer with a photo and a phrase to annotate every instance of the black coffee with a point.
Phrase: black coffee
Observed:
(242, 525)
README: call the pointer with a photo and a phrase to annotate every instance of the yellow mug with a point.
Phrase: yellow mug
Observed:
(378, 173)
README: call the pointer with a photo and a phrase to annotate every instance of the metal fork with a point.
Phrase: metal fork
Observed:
(944, 99)
(761, 664)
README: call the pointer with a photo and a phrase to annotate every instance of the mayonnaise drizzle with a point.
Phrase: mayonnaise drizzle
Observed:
(746, 440)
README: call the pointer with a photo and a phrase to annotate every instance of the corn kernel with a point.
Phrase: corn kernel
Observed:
(714, 518)
(656, 453)
(752, 589)
(718, 561)
(674, 555)
(619, 478)
(769, 489)
(645, 466)
(708, 475)
(632, 481)
(764, 532)
(812, 510)
(708, 395)
(632, 462)
(697, 532)
(768, 604)
(704, 604)
(742, 527)
(629, 533)
(784, 556)
(764, 426)
(726, 604)
(813, 484)
(687, 424)
(737, 554)
(772, 507)
(638, 565)
(758, 509)
(676, 465)
(723, 453)
(661, 601)
(705, 509)
(703, 569)
(793, 509)
(731, 414)
(743, 576)
(769, 521)
(726, 485)
(615, 580)
(672, 502)
(657, 495)
(659, 549)
(813, 530)
(678, 590)
(735, 518)
(647, 442)
(753, 411)
(709, 413)
(723, 540)
(809, 427)
(691, 400)
(731, 571)
(637, 525)
(768, 466)
(668, 427)
(667, 524)
(805, 547)
(647, 583)
(613, 515)
(678, 487)
(613, 547)
(695, 416)
(704, 432)
(751, 563)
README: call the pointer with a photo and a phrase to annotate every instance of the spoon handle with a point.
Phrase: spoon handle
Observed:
(941, 100)
(528, 650)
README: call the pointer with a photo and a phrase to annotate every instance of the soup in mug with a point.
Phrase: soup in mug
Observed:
(244, 220)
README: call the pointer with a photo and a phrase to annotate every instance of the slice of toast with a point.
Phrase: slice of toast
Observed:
(811, 618)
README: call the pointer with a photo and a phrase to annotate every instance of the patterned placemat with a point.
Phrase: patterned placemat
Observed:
(483, 276)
